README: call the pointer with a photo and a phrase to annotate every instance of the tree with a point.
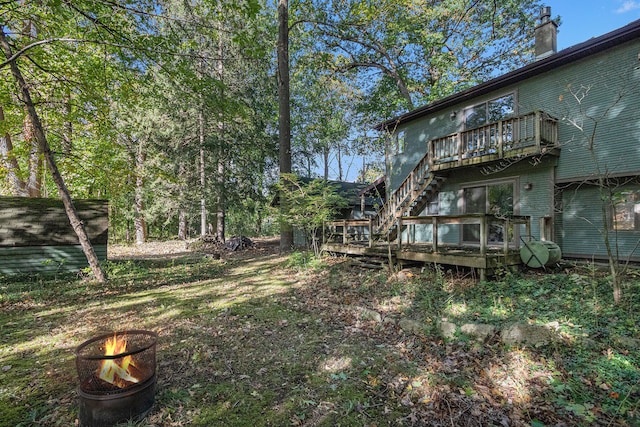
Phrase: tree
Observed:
(310, 204)
(284, 113)
(45, 149)
(409, 52)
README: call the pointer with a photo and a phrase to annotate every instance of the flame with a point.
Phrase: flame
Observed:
(117, 371)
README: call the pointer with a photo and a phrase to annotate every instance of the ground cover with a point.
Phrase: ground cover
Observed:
(265, 339)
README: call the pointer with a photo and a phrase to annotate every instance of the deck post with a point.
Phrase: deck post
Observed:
(370, 232)
(537, 131)
(459, 138)
(399, 233)
(500, 143)
(344, 232)
(434, 222)
(483, 235)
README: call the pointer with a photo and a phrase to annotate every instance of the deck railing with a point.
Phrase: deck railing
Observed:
(527, 133)
(483, 220)
(361, 231)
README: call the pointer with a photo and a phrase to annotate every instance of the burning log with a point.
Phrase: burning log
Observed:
(117, 377)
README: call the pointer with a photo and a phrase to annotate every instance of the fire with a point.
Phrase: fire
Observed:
(117, 371)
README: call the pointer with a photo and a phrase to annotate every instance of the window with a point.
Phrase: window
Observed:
(490, 111)
(496, 199)
(482, 140)
(400, 141)
(625, 211)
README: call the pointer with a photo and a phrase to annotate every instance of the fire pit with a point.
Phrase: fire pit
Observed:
(117, 375)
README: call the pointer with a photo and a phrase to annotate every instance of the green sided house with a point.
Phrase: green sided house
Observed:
(548, 152)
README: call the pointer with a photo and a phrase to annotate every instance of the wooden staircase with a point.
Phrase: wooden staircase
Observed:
(410, 199)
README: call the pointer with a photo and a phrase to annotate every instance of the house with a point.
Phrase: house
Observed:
(361, 203)
(547, 152)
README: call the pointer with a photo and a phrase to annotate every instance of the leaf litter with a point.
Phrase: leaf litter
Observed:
(257, 342)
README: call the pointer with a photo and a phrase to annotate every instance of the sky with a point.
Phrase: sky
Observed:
(584, 19)
(581, 20)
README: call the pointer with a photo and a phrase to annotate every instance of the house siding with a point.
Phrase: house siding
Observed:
(417, 136)
(609, 87)
(595, 96)
(536, 202)
(582, 226)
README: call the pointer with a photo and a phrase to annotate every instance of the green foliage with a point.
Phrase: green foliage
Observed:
(308, 205)
(303, 261)
(265, 348)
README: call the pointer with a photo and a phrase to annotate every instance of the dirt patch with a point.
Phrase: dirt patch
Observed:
(183, 248)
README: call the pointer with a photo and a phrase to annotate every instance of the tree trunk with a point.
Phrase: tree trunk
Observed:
(34, 182)
(220, 216)
(339, 158)
(284, 116)
(182, 211)
(139, 222)
(182, 224)
(325, 157)
(44, 148)
(221, 199)
(9, 162)
(203, 176)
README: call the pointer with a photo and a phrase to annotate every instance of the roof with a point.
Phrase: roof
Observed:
(350, 191)
(375, 189)
(566, 56)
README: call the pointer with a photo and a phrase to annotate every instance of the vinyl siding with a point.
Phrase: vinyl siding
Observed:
(582, 224)
(36, 236)
(607, 94)
(46, 259)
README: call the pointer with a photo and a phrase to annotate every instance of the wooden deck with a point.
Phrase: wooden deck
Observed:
(357, 238)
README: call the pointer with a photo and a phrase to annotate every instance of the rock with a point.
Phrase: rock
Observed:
(368, 314)
(479, 330)
(448, 329)
(411, 326)
(627, 343)
(535, 335)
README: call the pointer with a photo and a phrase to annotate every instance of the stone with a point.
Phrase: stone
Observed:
(368, 314)
(411, 326)
(480, 331)
(447, 329)
(521, 333)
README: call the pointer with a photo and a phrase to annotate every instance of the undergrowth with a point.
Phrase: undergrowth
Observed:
(302, 340)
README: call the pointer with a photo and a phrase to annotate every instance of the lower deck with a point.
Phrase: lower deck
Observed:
(356, 238)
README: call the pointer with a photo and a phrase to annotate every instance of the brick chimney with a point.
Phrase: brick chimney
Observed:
(546, 34)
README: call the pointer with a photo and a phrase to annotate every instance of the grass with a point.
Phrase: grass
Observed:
(271, 340)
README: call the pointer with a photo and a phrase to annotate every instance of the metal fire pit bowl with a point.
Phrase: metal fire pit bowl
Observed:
(103, 404)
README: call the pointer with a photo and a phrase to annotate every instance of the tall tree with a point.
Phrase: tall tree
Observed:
(45, 149)
(284, 112)
(409, 52)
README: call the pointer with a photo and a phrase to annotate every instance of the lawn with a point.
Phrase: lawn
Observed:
(264, 339)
